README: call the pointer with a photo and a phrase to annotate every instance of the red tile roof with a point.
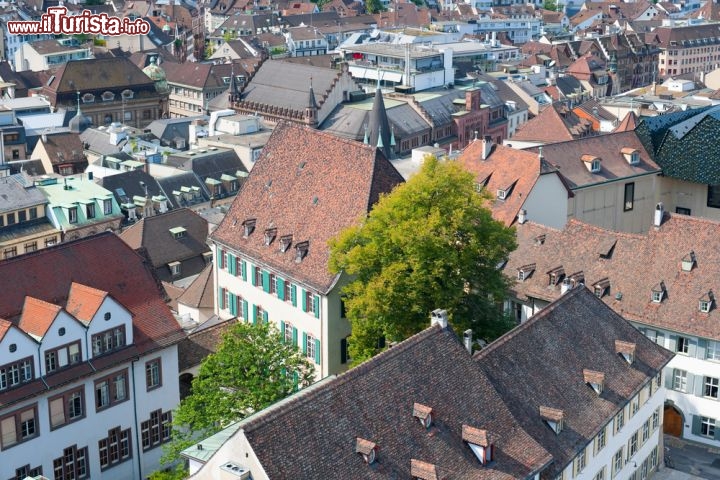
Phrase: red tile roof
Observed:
(83, 301)
(311, 185)
(556, 123)
(37, 316)
(4, 327)
(628, 123)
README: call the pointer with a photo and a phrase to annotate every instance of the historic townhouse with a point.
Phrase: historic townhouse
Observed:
(271, 248)
(88, 363)
(662, 281)
(430, 410)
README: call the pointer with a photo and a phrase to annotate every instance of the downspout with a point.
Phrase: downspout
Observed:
(135, 416)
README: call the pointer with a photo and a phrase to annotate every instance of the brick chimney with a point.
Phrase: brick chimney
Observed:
(473, 99)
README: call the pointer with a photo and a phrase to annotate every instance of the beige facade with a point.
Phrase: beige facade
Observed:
(688, 198)
(35, 235)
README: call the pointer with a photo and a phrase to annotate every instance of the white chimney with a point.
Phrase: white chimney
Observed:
(467, 340)
(486, 147)
(659, 213)
(565, 286)
(439, 317)
(522, 216)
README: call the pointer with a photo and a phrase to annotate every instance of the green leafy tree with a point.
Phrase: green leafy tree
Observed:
(374, 6)
(252, 368)
(431, 243)
(550, 5)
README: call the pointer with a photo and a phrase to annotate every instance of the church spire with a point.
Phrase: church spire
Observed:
(379, 126)
(234, 88)
(312, 108)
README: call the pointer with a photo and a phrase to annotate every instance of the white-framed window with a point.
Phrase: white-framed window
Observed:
(633, 445)
(107, 207)
(704, 306)
(679, 380)
(72, 215)
(656, 419)
(600, 440)
(595, 166)
(683, 344)
(617, 462)
(657, 297)
(711, 387)
(712, 351)
(619, 420)
(310, 347)
(288, 333)
(600, 475)
(654, 457)
(634, 405)
(707, 427)
(646, 431)
(580, 461)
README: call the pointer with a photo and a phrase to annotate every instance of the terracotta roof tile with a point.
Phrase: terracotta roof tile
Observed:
(199, 344)
(553, 124)
(4, 327)
(200, 293)
(37, 316)
(83, 301)
(475, 436)
(423, 470)
(630, 122)
(64, 148)
(311, 185)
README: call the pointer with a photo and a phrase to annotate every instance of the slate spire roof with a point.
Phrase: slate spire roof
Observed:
(379, 127)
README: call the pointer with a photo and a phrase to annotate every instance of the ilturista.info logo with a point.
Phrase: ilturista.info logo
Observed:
(57, 21)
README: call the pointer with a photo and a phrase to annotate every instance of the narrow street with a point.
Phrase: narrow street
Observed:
(692, 458)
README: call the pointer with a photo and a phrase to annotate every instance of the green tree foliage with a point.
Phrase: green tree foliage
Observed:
(252, 369)
(374, 6)
(431, 243)
(550, 5)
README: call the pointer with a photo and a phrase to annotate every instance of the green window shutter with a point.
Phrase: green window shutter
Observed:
(699, 384)
(673, 343)
(266, 281)
(303, 300)
(221, 298)
(254, 314)
(282, 332)
(265, 317)
(243, 270)
(701, 348)
(245, 310)
(252, 276)
(293, 295)
(304, 343)
(696, 421)
(231, 263)
(294, 336)
(668, 372)
(296, 380)
(692, 347)
(233, 305)
(281, 288)
(317, 351)
(316, 306)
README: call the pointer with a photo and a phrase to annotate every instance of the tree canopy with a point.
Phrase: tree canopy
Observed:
(252, 368)
(374, 6)
(431, 243)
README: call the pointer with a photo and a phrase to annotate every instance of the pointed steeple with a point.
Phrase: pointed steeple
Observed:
(312, 108)
(234, 88)
(311, 101)
(392, 136)
(379, 126)
(79, 122)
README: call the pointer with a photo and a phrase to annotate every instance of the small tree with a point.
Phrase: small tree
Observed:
(431, 243)
(550, 5)
(374, 6)
(251, 369)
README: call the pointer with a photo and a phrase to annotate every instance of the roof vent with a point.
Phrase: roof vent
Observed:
(423, 413)
(439, 317)
(248, 227)
(423, 470)
(626, 349)
(553, 417)
(237, 470)
(285, 242)
(522, 216)
(688, 261)
(659, 214)
(706, 302)
(301, 251)
(595, 379)
(479, 442)
(367, 449)
(270, 235)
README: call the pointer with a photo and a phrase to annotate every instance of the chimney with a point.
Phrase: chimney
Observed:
(439, 317)
(486, 147)
(468, 340)
(522, 216)
(659, 214)
(44, 138)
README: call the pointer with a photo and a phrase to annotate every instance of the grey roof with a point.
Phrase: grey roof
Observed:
(568, 85)
(349, 121)
(287, 85)
(212, 164)
(169, 128)
(126, 185)
(175, 184)
(31, 167)
(17, 191)
(98, 141)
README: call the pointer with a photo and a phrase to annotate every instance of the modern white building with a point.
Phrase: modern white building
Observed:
(88, 376)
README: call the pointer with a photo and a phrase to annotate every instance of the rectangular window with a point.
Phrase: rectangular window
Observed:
(107, 207)
(310, 347)
(16, 373)
(30, 247)
(619, 420)
(656, 419)
(600, 440)
(72, 465)
(156, 430)
(707, 427)
(288, 295)
(23, 472)
(111, 390)
(629, 197)
(273, 284)
(115, 448)
(108, 340)
(72, 215)
(711, 387)
(679, 380)
(67, 407)
(712, 351)
(49, 242)
(62, 357)
(600, 475)
(10, 252)
(713, 196)
(153, 374)
(617, 463)
(646, 431)
(33, 213)
(683, 344)
(11, 218)
(22, 216)
(258, 277)
(634, 405)
(633, 445)
(288, 330)
(579, 463)
(90, 210)
(18, 426)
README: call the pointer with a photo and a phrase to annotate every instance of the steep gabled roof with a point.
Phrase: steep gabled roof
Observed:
(201, 292)
(83, 301)
(523, 366)
(556, 123)
(96, 75)
(310, 185)
(37, 316)
(629, 123)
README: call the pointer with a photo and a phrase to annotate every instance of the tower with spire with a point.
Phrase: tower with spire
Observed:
(79, 122)
(378, 131)
(311, 111)
(234, 90)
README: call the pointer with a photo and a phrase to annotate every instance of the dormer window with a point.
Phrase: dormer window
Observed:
(285, 242)
(540, 240)
(658, 292)
(626, 350)
(479, 442)
(688, 262)
(553, 417)
(423, 470)
(595, 379)
(556, 275)
(108, 96)
(248, 227)
(178, 232)
(270, 235)
(424, 414)
(706, 302)
(301, 251)
(525, 271)
(632, 155)
(367, 449)
(592, 163)
(88, 98)
(601, 288)
(501, 194)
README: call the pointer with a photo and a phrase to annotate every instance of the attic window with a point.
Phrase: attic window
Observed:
(178, 232)
(556, 275)
(595, 379)
(553, 417)
(706, 302)
(688, 261)
(248, 227)
(479, 442)
(601, 287)
(540, 240)
(127, 94)
(423, 413)
(285, 242)
(108, 96)
(423, 470)
(270, 235)
(525, 271)
(658, 292)
(577, 278)
(301, 251)
(174, 268)
(88, 98)
(626, 349)
(632, 155)
(591, 162)
(501, 194)
(367, 449)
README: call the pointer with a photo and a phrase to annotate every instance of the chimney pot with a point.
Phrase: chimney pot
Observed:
(486, 146)
(522, 216)
(659, 214)
(468, 340)
(439, 317)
